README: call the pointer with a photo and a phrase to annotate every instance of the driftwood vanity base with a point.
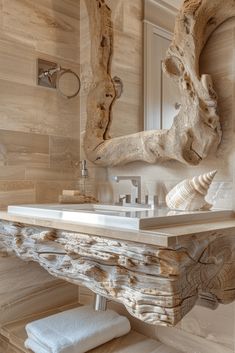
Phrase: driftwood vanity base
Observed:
(158, 285)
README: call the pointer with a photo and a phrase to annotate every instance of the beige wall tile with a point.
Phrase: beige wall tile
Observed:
(49, 174)
(29, 289)
(17, 197)
(217, 326)
(1, 13)
(25, 149)
(37, 110)
(159, 16)
(126, 124)
(16, 192)
(64, 152)
(48, 29)
(12, 173)
(70, 8)
(133, 17)
(128, 52)
(49, 191)
(17, 62)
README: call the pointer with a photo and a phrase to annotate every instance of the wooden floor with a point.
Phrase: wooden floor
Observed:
(13, 335)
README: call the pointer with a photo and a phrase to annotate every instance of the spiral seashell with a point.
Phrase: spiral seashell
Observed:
(189, 194)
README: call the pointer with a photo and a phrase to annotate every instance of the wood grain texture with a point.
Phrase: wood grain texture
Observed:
(156, 285)
(196, 128)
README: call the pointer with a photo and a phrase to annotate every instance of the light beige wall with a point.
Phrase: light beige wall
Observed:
(160, 13)
(27, 289)
(39, 135)
(39, 130)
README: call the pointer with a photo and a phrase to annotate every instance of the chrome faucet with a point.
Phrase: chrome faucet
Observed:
(150, 201)
(136, 181)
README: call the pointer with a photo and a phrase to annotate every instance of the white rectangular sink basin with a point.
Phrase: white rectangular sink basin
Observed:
(117, 216)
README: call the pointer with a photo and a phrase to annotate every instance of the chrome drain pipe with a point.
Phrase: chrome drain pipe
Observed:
(100, 303)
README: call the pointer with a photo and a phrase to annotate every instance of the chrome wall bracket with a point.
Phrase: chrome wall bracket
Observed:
(52, 75)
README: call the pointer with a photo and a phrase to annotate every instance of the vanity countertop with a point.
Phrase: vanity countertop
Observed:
(158, 273)
(163, 236)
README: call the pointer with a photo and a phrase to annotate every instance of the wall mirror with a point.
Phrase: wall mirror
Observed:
(195, 130)
(162, 98)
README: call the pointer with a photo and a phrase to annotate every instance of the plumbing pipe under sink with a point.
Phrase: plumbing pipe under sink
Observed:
(100, 303)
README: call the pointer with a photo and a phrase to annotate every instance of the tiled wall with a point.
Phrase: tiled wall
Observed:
(39, 135)
(39, 129)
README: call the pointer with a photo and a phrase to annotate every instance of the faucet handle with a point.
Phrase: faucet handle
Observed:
(136, 181)
(151, 200)
(124, 199)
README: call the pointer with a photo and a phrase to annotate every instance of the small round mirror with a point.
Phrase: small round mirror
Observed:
(68, 83)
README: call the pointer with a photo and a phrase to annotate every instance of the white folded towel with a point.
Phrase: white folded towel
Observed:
(75, 331)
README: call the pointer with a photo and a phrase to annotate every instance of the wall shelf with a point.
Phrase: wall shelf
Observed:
(13, 335)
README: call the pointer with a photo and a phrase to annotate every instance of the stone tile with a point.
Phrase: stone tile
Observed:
(187, 342)
(12, 173)
(49, 191)
(17, 62)
(64, 152)
(16, 192)
(222, 54)
(37, 110)
(25, 149)
(48, 29)
(215, 325)
(49, 174)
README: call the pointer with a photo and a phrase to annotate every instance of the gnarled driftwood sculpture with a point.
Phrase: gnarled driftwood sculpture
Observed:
(196, 128)
(157, 285)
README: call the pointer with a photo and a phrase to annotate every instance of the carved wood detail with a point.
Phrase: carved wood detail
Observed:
(196, 128)
(156, 285)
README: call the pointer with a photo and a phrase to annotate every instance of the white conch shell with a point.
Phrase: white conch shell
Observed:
(189, 194)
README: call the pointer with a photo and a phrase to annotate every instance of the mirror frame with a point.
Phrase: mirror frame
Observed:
(196, 128)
